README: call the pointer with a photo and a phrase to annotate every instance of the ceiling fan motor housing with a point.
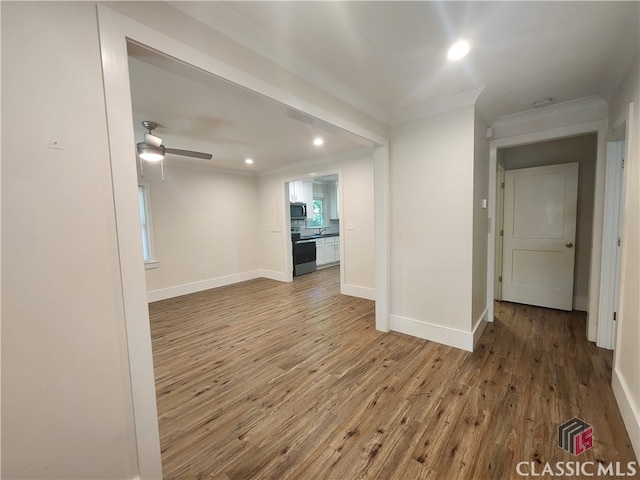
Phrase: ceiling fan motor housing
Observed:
(149, 125)
(152, 148)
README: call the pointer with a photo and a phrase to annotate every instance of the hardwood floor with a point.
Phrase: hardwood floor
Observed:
(268, 380)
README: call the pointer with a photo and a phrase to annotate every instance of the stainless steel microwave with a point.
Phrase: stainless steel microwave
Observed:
(298, 210)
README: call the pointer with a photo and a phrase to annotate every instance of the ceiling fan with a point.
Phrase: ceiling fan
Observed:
(152, 150)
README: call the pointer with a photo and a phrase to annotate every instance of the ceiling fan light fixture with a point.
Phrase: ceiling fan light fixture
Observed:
(150, 153)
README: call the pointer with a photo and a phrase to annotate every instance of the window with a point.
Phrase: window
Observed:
(145, 227)
(317, 218)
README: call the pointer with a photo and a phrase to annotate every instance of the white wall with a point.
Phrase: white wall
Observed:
(626, 368)
(356, 207)
(581, 149)
(202, 219)
(66, 400)
(432, 196)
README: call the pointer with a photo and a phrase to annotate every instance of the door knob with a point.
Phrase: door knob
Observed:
(568, 244)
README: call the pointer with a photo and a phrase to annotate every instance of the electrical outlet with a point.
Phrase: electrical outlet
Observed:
(201, 270)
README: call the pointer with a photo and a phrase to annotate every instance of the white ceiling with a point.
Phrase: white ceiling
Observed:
(201, 112)
(388, 59)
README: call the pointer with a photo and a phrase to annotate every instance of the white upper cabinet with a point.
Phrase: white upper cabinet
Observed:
(334, 202)
(307, 194)
(296, 192)
(301, 191)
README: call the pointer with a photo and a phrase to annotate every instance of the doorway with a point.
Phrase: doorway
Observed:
(539, 235)
(583, 150)
(320, 229)
(115, 30)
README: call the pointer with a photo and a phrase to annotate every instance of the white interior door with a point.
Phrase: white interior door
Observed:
(539, 235)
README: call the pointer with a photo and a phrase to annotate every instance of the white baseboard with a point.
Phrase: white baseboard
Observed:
(435, 333)
(628, 410)
(187, 288)
(581, 303)
(478, 328)
(273, 275)
(357, 291)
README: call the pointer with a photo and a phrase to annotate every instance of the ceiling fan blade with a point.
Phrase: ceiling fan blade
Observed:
(189, 153)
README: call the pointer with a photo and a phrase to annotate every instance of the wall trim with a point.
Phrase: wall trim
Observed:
(435, 333)
(358, 291)
(479, 327)
(194, 287)
(274, 275)
(629, 411)
(570, 112)
(187, 288)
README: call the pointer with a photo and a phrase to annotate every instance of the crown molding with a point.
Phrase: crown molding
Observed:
(437, 106)
(571, 106)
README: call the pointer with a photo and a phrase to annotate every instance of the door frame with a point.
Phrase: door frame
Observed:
(610, 275)
(498, 237)
(115, 30)
(598, 127)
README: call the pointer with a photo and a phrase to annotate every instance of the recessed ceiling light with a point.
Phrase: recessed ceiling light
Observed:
(248, 161)
(458, 50)
(318, 141)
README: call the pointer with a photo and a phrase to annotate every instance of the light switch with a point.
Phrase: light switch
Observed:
(484, 203)
(349, 225)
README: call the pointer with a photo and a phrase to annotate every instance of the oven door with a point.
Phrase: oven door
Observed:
(304, 256)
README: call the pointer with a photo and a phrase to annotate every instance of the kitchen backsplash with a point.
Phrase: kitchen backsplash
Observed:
(299, 226)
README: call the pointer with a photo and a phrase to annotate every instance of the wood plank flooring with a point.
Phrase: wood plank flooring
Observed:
(268, 380)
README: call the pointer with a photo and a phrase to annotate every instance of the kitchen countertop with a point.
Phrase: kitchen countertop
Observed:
(315, 237)
(322, 235)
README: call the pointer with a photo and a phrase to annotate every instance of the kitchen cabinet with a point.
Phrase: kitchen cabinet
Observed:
(296, 191)
(327, 250)
(320, 256)
(307, 195)
(302, 191)
(330, 250)
(334, 203)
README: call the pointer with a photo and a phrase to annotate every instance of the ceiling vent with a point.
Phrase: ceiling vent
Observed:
(542, 102)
